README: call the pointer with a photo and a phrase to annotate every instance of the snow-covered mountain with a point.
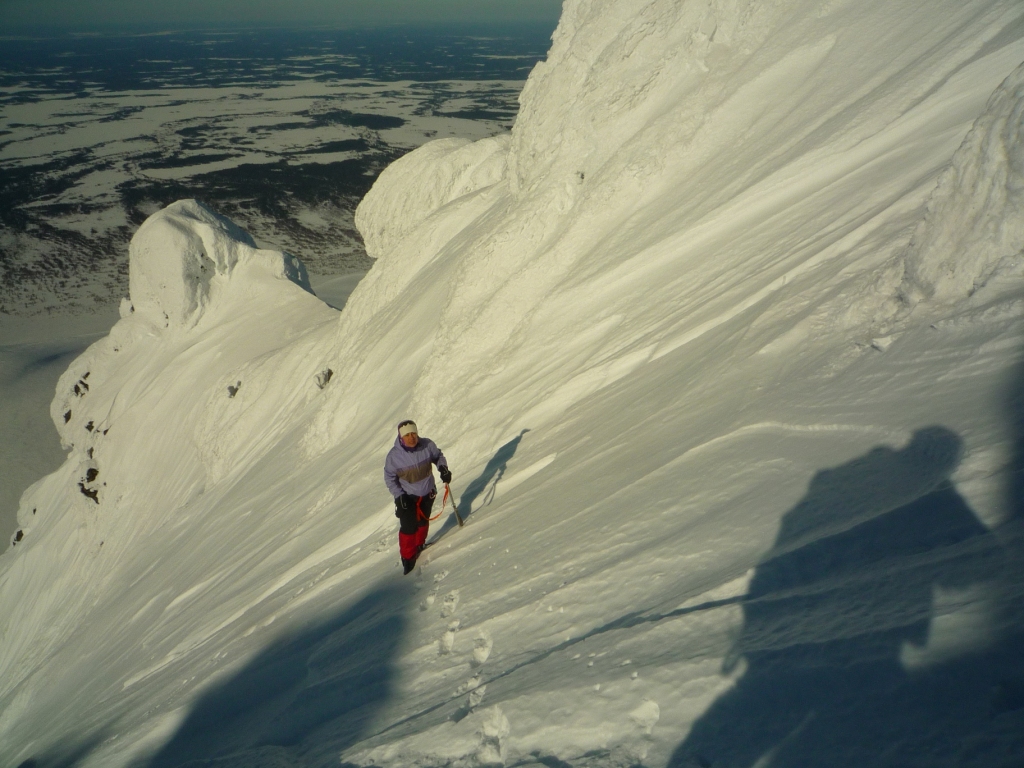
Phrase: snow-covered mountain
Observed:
(722, 346)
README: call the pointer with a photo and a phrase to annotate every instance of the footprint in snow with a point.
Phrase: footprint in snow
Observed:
(428, 600)
(476, 696)
(444, 645)
(470, 685)
(646, 716)
(481, 649)
(494, 730)
(449, 603)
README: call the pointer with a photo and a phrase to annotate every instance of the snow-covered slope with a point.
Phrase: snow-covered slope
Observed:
(721, 345)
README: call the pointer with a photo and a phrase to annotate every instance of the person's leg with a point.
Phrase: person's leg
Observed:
(425, 504)
(408, 533)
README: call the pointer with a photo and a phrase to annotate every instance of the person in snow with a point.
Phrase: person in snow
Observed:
(410, 478)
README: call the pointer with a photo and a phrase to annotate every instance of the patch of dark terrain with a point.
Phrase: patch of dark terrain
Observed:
(38, 260)
(121, 114)
(479, 114)
(180, 160)
(192, 131)
(352, 119)
(40, 182)
(73, 272)
(27, 96)
(196, 137)
(500, 103)
(265, 129)
(345, 145)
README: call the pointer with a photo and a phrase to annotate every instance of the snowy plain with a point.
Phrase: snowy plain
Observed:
(722, 344)
(98, 159)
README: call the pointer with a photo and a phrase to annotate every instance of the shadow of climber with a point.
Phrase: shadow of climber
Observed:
(839, 660)
(312, 692)
(485, 484)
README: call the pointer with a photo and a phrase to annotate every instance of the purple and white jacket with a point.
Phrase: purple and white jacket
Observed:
(408, 470)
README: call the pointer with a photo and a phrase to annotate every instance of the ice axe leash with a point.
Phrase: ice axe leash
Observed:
(444, 503)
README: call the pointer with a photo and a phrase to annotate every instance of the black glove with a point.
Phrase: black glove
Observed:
(445, 473)
(401, 505)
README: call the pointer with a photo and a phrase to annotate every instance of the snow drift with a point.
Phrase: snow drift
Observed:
(176, 258)
(720, 345)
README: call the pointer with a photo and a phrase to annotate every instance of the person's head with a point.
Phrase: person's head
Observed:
(408, 433)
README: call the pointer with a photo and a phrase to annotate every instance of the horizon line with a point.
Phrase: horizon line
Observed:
(154, 29)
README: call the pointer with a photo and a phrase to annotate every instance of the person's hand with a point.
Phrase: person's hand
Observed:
(446, 475)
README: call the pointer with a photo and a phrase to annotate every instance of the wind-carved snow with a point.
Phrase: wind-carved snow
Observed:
(423, 182)
(717, 343)
(974, 230)
(180, 256)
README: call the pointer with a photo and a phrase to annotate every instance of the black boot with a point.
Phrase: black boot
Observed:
(407, 565)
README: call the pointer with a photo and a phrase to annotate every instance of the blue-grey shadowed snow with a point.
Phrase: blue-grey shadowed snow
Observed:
(306, 698)
(485, 485)
(1009, 690)
(334, 290)
(832, 612)
(65, 756)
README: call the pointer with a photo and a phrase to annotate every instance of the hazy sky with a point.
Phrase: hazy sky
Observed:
(89, 13)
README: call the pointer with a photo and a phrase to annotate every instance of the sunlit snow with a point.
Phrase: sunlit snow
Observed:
(723, 348)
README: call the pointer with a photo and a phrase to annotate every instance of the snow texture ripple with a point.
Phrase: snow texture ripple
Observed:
(723, 346)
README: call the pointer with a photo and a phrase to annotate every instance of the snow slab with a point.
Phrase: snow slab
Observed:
(723, 348)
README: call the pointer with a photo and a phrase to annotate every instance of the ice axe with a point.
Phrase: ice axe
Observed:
(447, 493)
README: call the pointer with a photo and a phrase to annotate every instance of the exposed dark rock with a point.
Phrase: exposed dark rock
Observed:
(324, 377)
(90, 492)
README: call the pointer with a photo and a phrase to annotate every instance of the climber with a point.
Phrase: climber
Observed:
(410, 478)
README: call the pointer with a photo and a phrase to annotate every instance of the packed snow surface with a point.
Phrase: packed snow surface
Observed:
(722, 344)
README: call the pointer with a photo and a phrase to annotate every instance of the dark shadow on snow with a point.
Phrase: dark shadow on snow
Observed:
(306, 698)
(1009, 693)
(841, 606)
(64, 755)
(492, 473)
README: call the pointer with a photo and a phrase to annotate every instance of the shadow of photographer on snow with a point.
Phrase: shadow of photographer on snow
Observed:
(843, 651)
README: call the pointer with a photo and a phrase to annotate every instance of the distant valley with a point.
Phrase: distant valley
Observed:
(282, 131)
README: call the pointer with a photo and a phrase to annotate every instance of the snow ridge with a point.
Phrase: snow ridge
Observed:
(178, 255)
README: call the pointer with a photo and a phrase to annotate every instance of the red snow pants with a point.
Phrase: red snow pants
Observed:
(413, 526)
